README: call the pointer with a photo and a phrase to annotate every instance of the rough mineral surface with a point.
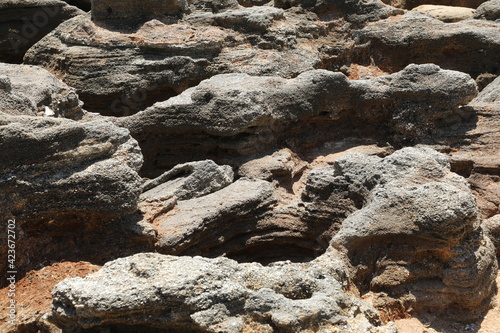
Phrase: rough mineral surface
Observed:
(489, 10)
(417, 237)
(238, 113)
(32, 91)
(214, 295)
(23, 23)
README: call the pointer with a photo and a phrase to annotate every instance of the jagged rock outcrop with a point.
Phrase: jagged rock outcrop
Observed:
(23, 23)
(58, 176)
(489, 10)
(417, 239)
(109, 10)
(32, 91)
(489, 95)
(467, 46)
(214, 295)
(232, 116)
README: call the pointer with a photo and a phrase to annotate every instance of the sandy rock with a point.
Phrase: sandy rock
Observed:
(489, 10)
(23, 23)
(402, 243)
(258, 112)
(410, 4)
(467, 46)
(31, 91)
(213, 295)
(446, 13)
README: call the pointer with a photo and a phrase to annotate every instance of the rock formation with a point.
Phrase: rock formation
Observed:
(23, 23)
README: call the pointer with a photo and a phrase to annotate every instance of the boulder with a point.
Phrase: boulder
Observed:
(446, 13)
(468, 46)
(108, 10)
(490, 94)
(489, 10)
(31, 91)
(243, 115)
(23, 23)
(410, 4)
(151, 291)
(417, 239)
(492, 227)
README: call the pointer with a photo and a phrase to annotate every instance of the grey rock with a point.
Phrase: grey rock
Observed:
(214, 6)
(468, 46)
(214, 295)
(283, 163)
(258, 112)
(492, 227)
(490, 94)
(355, 11)
(108, 10)
(414, 210)
(30, 90)
(410, 4)
(60, 167)
(248, 19)
(193, 226)
(189, 180)
(489, 10)
(23, 23)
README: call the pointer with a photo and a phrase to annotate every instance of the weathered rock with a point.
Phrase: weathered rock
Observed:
(189, 180)
(84, 5)
(469, 46)
(492, 226)
(410, 4)
(214, 6)
(356, 11)
(489, 10)
(283, 163)
(57, 175)
(213, 295)
(241, 115)
(109, 10)
(23, 23)
(417, 238)
(490, 94)
(30, 90)
(446, 13)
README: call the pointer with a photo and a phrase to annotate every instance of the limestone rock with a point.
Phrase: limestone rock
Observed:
(259, 112)
(213, 295)
(446, 13)
(30, 90)
(417, 237)
(469, 46)
(489, 10)
(23, 23)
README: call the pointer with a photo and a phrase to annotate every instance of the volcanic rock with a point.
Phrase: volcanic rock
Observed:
(23, 23)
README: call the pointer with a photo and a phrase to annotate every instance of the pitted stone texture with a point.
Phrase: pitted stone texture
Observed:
(417, 236)
(489, 10)
(31, 91)
(103, 10)
(214, 295)
(446, 13)
(23, 23)
(241, 114)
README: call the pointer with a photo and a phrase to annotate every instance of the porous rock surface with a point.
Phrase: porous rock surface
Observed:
(399, 245)
(214, 295)
(23, 23)
(446, 13)
(489, 10)
(32, 91)
(242, 114)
